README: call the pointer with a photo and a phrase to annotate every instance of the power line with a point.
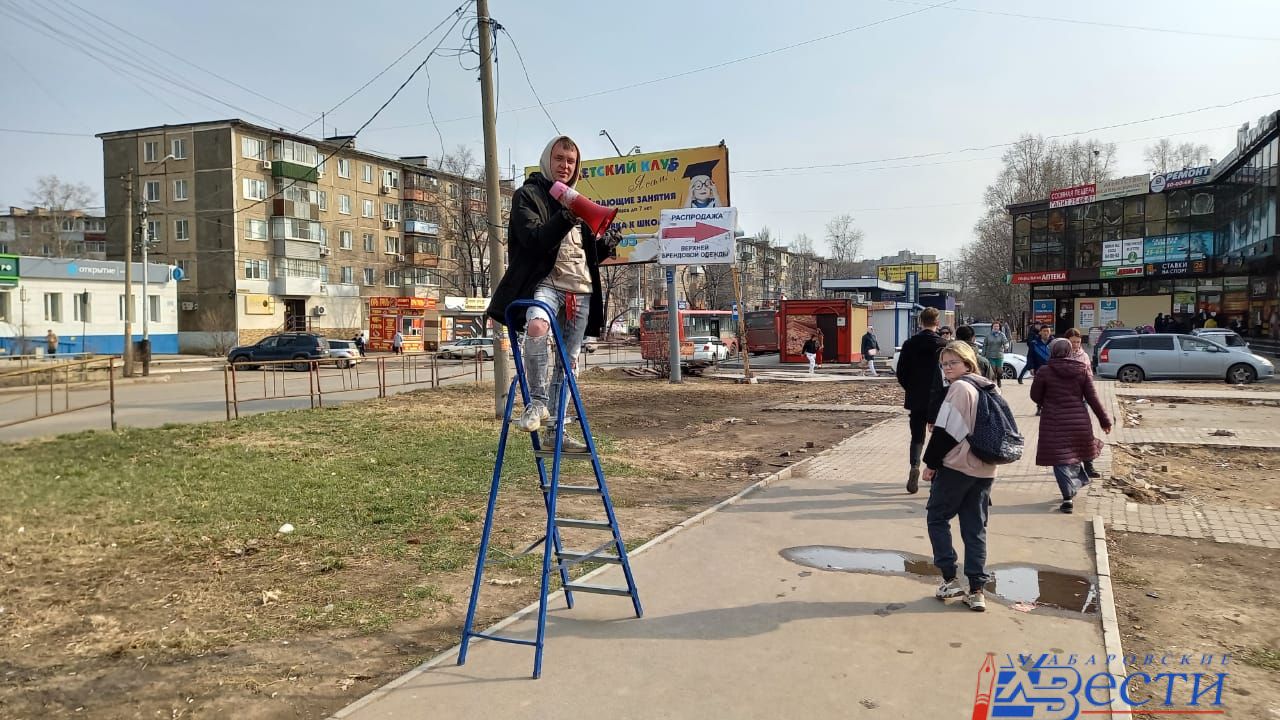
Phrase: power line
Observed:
(532, 89)
(456, 13)
(184, 60)
(703, 69)
(1096, 23)
(45, 132)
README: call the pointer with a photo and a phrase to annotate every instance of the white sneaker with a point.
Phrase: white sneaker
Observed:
(569, 445)
(531, 419)
(949, 589)
(976, 600)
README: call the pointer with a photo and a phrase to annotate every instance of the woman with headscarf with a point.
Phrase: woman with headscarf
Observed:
(1061, 389)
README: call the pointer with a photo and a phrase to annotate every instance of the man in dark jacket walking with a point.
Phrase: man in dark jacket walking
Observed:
(870, 349)
(938, 392)
(553, 258)
(1037, 352)
(917, 366)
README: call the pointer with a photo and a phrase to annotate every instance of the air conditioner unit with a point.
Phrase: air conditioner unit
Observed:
(325, 251)
(188, 305)
(386, 189)
(400, 258)
(319, 310)
(266, 164)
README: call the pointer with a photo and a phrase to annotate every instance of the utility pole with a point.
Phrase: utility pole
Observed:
(128, 275)
(145, 229)
(497, 262)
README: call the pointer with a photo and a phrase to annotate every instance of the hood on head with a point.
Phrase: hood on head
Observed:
(545, 164)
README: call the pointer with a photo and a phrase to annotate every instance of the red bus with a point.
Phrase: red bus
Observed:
(762, 331)
(693, 323)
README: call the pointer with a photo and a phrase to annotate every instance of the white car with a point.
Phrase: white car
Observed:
(468, 348)
(709, 349)
(344, 353)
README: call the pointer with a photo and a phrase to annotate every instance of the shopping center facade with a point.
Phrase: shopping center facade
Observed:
(1120, 251)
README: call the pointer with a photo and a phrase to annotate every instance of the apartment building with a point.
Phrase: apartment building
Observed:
(273, 230)
(50, 232)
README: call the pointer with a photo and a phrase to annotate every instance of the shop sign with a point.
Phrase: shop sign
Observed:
(1088, 313)
(1259, 288)
(1075, 195)
(1132, 251)
(1182, 267)
(1111, 252)
(1111, 273)
(1121, 187)
(1027, 278)
(1246, 136)
(1110, 311)
(1181, 178)
(1043, 311)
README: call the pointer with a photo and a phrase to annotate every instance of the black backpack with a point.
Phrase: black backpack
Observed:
(994, 438)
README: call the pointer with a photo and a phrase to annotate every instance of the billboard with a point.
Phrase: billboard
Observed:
(640, 187)
(928, 272)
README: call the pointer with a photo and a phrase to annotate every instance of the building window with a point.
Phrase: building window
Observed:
(391, 244)
(253, 148)
(366, 173)
(324, 236)
(120, 308)
(255, 229)
(179, 189)
(344, 204)
(324, 273)
(323, 200)
(367, 209)
(392, 277)
(255, 189)
(53, 307)
(256, 269)
(182, 229)
(296, 152)
(80, 307)
(390, 211)
(155, 231)
(287, 228)
(153, 307)
(344, 239)
(348, 275)
(368, 276)
(187, 267)
(150, 151)
(68, 225)
(344, 168)
(151, 191)
(391, 178)
(368, 242)
(5, 308)
(179, 149)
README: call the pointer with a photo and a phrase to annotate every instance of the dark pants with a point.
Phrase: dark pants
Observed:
(1028, 368)
(918, 424)
(1070, 479)
(952, 494)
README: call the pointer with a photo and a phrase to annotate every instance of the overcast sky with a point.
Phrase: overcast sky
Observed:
(926, 80)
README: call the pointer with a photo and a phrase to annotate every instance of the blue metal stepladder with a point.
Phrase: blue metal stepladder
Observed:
(612, 551)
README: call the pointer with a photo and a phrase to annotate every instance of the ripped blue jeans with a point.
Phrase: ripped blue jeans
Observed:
(542, 370)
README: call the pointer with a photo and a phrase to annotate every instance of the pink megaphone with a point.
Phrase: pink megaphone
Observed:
(597, 217)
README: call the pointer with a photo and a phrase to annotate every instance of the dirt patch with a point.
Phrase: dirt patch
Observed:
(1176, 596)
(1235, 415)
(1192, 473)
(142, 620)
(1271, 385)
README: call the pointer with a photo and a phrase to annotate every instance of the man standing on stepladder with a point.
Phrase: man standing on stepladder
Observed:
(553, 258)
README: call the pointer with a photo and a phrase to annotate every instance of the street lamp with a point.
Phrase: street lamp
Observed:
(146, 299)
(605, 133)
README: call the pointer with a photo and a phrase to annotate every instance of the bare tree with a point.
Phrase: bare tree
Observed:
(54, 227)
(845, 241)
(464, 219)
(1163, 156)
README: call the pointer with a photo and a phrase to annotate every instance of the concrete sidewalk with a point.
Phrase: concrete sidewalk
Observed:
(732, 628)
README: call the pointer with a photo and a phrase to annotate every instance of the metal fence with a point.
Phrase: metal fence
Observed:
(51, 387)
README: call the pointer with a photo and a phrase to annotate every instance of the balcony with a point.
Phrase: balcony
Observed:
(421, 227)
(416, 194)
(294, 171)
(290, 208)
(296, 249)
(422, 259)
(294, 285)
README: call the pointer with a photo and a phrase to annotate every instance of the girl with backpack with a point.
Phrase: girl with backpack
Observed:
(960, 481)
(1061, 389)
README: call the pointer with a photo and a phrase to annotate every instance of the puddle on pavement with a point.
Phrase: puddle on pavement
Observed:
(1015, 584)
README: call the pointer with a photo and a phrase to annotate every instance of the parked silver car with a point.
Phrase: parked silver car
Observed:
(1134, 358)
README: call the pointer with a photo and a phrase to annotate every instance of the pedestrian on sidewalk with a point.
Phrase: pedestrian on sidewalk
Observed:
(556, 259)
(397, 343)
(870, 349)
(1078, 354)
(1037, 352)
(51, 342)
(938, 393)
(917, 366)
(359, 341)
(1062, 389)
(997, 343)
(810, 351)
(960, 482)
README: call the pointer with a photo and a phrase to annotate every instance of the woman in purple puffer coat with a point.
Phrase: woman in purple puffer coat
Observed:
(1061, 388)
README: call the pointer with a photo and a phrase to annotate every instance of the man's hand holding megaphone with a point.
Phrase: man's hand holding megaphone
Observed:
(597, 217)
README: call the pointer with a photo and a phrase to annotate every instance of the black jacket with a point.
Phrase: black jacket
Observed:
(868, 342)
(538, 224)
(917, 366)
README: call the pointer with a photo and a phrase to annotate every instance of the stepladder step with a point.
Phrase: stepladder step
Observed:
(597, 589)
(575, 489)
(565, 453)
(585, 524)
